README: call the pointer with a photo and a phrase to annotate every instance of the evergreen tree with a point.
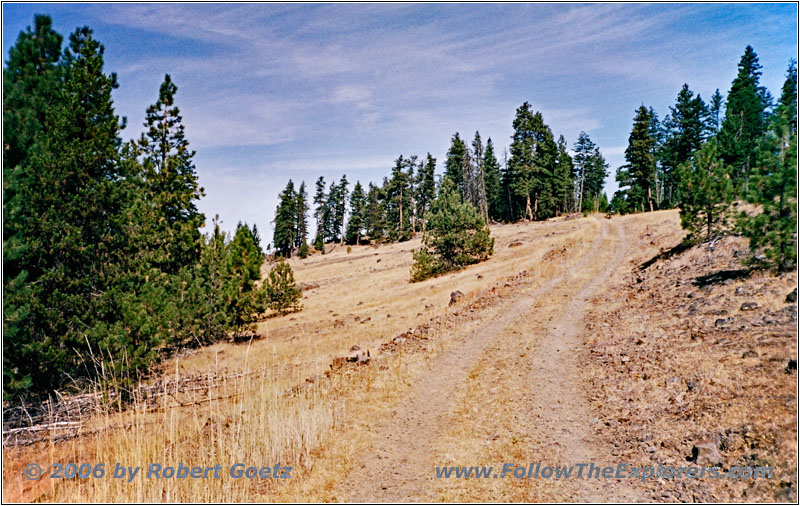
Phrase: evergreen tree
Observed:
(706, 192)
(339, 209)
(686, 129)
(478, 185)
(457, 158)
(244, 268)
(425, 191)
(62, 207)
(596, 173)
(456, 236)
(301, 208)
(320, 213)
(171, 182)
(285, 221)
(564, 177)
(584, 151)
(714, 110)
(641, 167)
(773, 184)
(280, 291)
(532, 164)
(398, 198)
(374, 222)
(358, 209)
(491, 174)
(743, 124)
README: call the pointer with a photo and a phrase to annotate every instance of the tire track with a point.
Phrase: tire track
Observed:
(400, 465)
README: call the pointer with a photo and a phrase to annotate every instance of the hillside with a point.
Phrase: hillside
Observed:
(562, 350)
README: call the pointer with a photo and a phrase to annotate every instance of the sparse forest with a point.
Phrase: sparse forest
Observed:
(105, 267)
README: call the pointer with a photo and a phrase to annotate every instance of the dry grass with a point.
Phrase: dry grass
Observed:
(364, 298)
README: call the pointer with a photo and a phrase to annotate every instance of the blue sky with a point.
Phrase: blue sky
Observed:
(270, 92)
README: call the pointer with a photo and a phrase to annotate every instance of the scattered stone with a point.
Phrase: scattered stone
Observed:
(515, 244)
(792, 366)
(337, 324)
(307, 286)
(740, 291)
(480, 276)
(792, 297)
(721, 322)
(378, 261)
(365, 320)
(706, 453)
(355, 347)
(749, 306)
(750, 354)
(691, 385)
(455, 297)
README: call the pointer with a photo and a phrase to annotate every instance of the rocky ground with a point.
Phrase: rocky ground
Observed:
(691, 353)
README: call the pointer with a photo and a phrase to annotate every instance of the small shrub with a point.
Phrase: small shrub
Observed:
(349, 249)
(280, 291)
(456, 237)
(303, 251)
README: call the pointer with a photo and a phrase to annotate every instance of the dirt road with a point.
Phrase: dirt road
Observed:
(545, 390)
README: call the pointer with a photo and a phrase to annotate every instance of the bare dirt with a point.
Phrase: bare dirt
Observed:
(403, 453)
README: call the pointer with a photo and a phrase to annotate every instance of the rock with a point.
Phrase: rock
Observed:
(337, 324)
(455, 297)
(365, 320)
(749, 306)
(706, 453)
(378, 261)
(721, 322)
(792, 366)
(307, 286)
(515, 244)
(750, 354)
(792, 297)
(740, 291)
(355, 347)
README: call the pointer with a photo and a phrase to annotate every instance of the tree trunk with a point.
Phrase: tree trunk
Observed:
(650, 198)
(528, 211)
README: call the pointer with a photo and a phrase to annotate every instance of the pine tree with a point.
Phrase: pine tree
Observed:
(375, 219)
(61, 204)
(340, 209)
(479, 199)
(714, 110)
(425, 189)
(686, 129)
(491, 174)
(457, 157)
(358, 209)
(171, 182)
(244, 268)
(456, 236)
(301, 208)
(320, 212)
(398, 198)
(641, 160)
(564, 177)
(584, 151)
(285, 221)
(743, 124)
(773, 184)
(706, 192)
(280, 291)
(533, 159)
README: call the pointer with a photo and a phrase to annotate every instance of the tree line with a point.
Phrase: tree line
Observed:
(539, 180)
(706, 158)
(104, 266)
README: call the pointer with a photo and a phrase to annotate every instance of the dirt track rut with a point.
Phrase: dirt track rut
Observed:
(400, 464)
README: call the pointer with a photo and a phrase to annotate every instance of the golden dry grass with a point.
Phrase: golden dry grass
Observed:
(324, 430)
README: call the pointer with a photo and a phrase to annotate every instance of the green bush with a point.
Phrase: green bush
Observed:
(280, 291)
(456, 236)
(303, 251)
